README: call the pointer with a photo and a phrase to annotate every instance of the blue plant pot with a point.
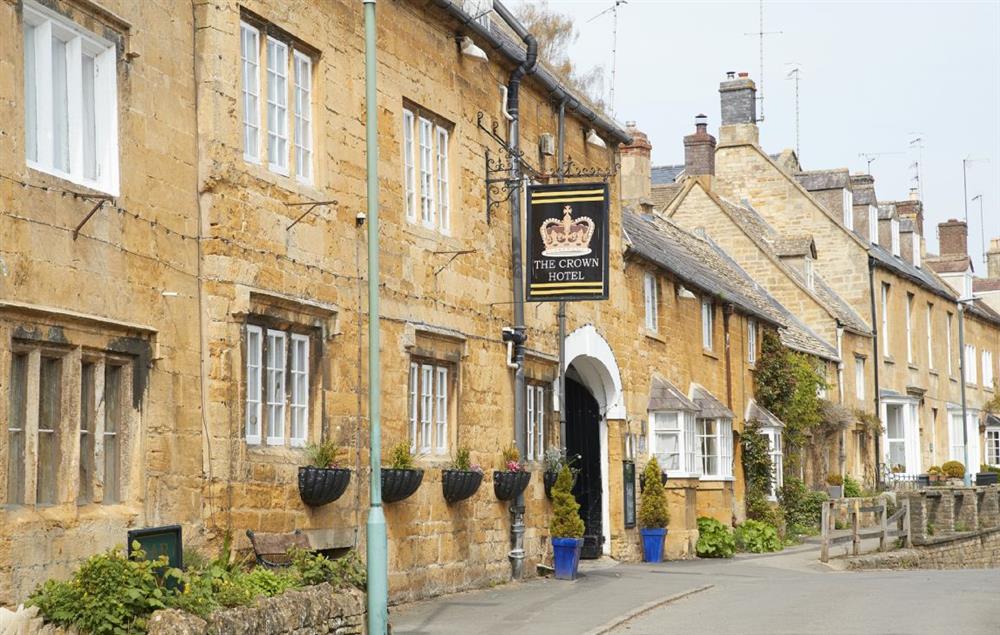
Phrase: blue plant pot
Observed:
(566, 557)
(652, 544)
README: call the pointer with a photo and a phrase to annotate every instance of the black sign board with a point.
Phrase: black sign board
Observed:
(159, 541)
(567, 242)
(628, 479)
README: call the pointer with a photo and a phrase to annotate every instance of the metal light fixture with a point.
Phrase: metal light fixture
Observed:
(595, 140)
(469, 48)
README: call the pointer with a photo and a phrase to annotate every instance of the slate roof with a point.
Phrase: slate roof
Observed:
(700, 263)
(814, 180)
(710, 407)
(947, 264)
(665, 396)
(992, 421)
(763, 234)
(663, 195)
(918, 275)
(665, 174)
(757, 412)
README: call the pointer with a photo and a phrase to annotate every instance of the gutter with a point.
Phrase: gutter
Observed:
(515, 54)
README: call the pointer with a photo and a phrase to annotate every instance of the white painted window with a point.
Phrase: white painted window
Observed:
(275, 383)
(873, 224)
(993, 446)
(909, 328)
(299, 371)
(774, 450)
(277, 105)
(894, 229)
(535, 440)
(971, 364)
(255, 362)
(443, 203)
(895, 432)
(916, 249)
(651, 298)
(715, 444)
(886, 349)
(848, 203)
(425, 128)
(987, 369)
(859, 378)
(409, 169)
(70, 100)
(956, 437)
(930, 335)
(707, 324)
(751, 341)
(250, 71)
(302, 103)
(672, 440)
(429, 408)
(950, 362)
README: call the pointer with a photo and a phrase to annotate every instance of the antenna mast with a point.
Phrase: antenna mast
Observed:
(918, 143)
(760, 34)
(794, 74)
(614, 46)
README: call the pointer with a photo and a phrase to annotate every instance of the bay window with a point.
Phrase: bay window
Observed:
(673, 441)
(715, 445)
(993, 446)
(774, 450)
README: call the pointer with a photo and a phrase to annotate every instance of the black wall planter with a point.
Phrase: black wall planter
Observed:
(458, 485)
(322, 485)
(986, 478)
(399, 484)
(507, 485)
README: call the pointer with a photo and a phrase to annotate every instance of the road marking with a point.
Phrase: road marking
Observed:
(645, 608)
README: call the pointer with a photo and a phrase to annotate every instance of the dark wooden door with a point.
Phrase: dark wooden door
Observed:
(583, 422)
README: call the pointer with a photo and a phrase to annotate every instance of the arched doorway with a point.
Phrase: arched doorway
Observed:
(583, 444)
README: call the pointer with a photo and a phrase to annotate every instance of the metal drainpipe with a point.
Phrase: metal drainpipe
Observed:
(842, 455)
(727, 312)
(524, 69)
(561, 314)
(875, 360)
(376, 539)
(965, 413)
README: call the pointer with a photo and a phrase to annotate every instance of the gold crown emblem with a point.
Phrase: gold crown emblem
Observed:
(567, 237)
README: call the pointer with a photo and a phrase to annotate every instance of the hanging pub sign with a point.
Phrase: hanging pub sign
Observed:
(567, 242)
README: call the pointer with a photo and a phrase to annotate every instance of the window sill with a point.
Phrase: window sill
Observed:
(933, 372)
(653, 335)
(716, 479)
(888, 360)
(290, 183)
(57, 179)
(913, 367)
(707, 352)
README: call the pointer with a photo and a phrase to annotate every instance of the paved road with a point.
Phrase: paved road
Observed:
(787, 593)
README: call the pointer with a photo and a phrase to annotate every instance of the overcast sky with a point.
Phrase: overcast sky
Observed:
(874, 77)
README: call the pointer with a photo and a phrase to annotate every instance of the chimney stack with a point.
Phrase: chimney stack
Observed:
(953, 237)
(636, 169)
(993, 259)
(913, 210)
(699, 150)
(738, 96)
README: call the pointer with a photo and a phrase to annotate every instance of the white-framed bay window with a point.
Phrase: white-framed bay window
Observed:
(673, 441)
(775, 452)
(957, 437)
(715, 447)
(429, 404)
(993, 446)
(70, 100)
(901, 434)
(537, 406)
(277, 70)
(277, 382)
(426, 171)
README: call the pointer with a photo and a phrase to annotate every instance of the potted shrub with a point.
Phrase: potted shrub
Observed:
(566, 527)
(323, 480)
(653, 513)
(462, 479)
(835, 485)
(935, 475)
(987, 475)
(400, 479)
(953, 470)
(555, 459)
(513, 478)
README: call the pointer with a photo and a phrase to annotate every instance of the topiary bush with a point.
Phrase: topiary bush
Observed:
(757, 537)
(653, 511)
(953, 469)
(802, 507)
(566, 521)
(715, 540)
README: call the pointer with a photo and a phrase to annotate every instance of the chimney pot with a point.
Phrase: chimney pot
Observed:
(914, 194)
(744, 74)
(730, 74)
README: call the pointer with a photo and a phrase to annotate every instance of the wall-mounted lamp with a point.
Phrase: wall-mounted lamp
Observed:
(468, 48)
(594, 140)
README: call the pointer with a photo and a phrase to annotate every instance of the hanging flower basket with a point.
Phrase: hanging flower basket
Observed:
(549, 480)
(399, 484)
(322, 485)
(507, 485)
(458, 485)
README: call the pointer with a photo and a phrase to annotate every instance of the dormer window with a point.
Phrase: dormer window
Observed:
(894, 226)
(916, 249)
(873, 224)
(848, 208)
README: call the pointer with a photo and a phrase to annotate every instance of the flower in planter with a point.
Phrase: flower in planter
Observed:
(325, 455)
(400, 457)
(511, 459)
(463, 461)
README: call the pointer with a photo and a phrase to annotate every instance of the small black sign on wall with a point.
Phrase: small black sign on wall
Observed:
(567, 242)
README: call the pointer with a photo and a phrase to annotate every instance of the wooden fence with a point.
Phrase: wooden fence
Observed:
(899, 523)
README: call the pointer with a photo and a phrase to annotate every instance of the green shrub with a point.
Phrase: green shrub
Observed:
(326, 454)
(566, 521)
(400, 457)
(989, 468)
(463, 459)
(757, 537)
(852, 488)
(802, 507)
(757, 471)
(653, 512)
(314, 568)
(715, 540)
(953, 469)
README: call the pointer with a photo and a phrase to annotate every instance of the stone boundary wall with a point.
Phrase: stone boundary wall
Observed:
(946, 511)
(973, 550)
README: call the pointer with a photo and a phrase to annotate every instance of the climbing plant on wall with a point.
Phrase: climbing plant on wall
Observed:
(757, 472)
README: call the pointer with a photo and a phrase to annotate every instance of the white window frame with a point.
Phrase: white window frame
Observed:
(277, 103)
(302, 113)
(409, 167)
(951, 362)
(683, 429)
(707, 324)
(426, 171)
(426, 407)
(46, 25)
(930, 335)
(894, 231)
(993, 446)
(848, 203)
(651, 299)
(909, 420)
(917, 258)
(441, 409)
(777, 455)
(987, 359)
(254, 384)
(971, 365)
(275, 372)
(873, 224)
(250, 70)
(425, 153)
(535, 437)
(723, 437)
(808, 270)
(886, 349)
(298, 367)
(429, 411)
(909, 328)
(441, 167)
(414, 381)
(859, 377)
(751, 341)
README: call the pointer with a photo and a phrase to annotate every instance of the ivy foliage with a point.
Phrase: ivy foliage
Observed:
(715, 540)
(802, 507)
(653, 512)
(566, 521)
(757, 472)
(852, 488)
(757, 537)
